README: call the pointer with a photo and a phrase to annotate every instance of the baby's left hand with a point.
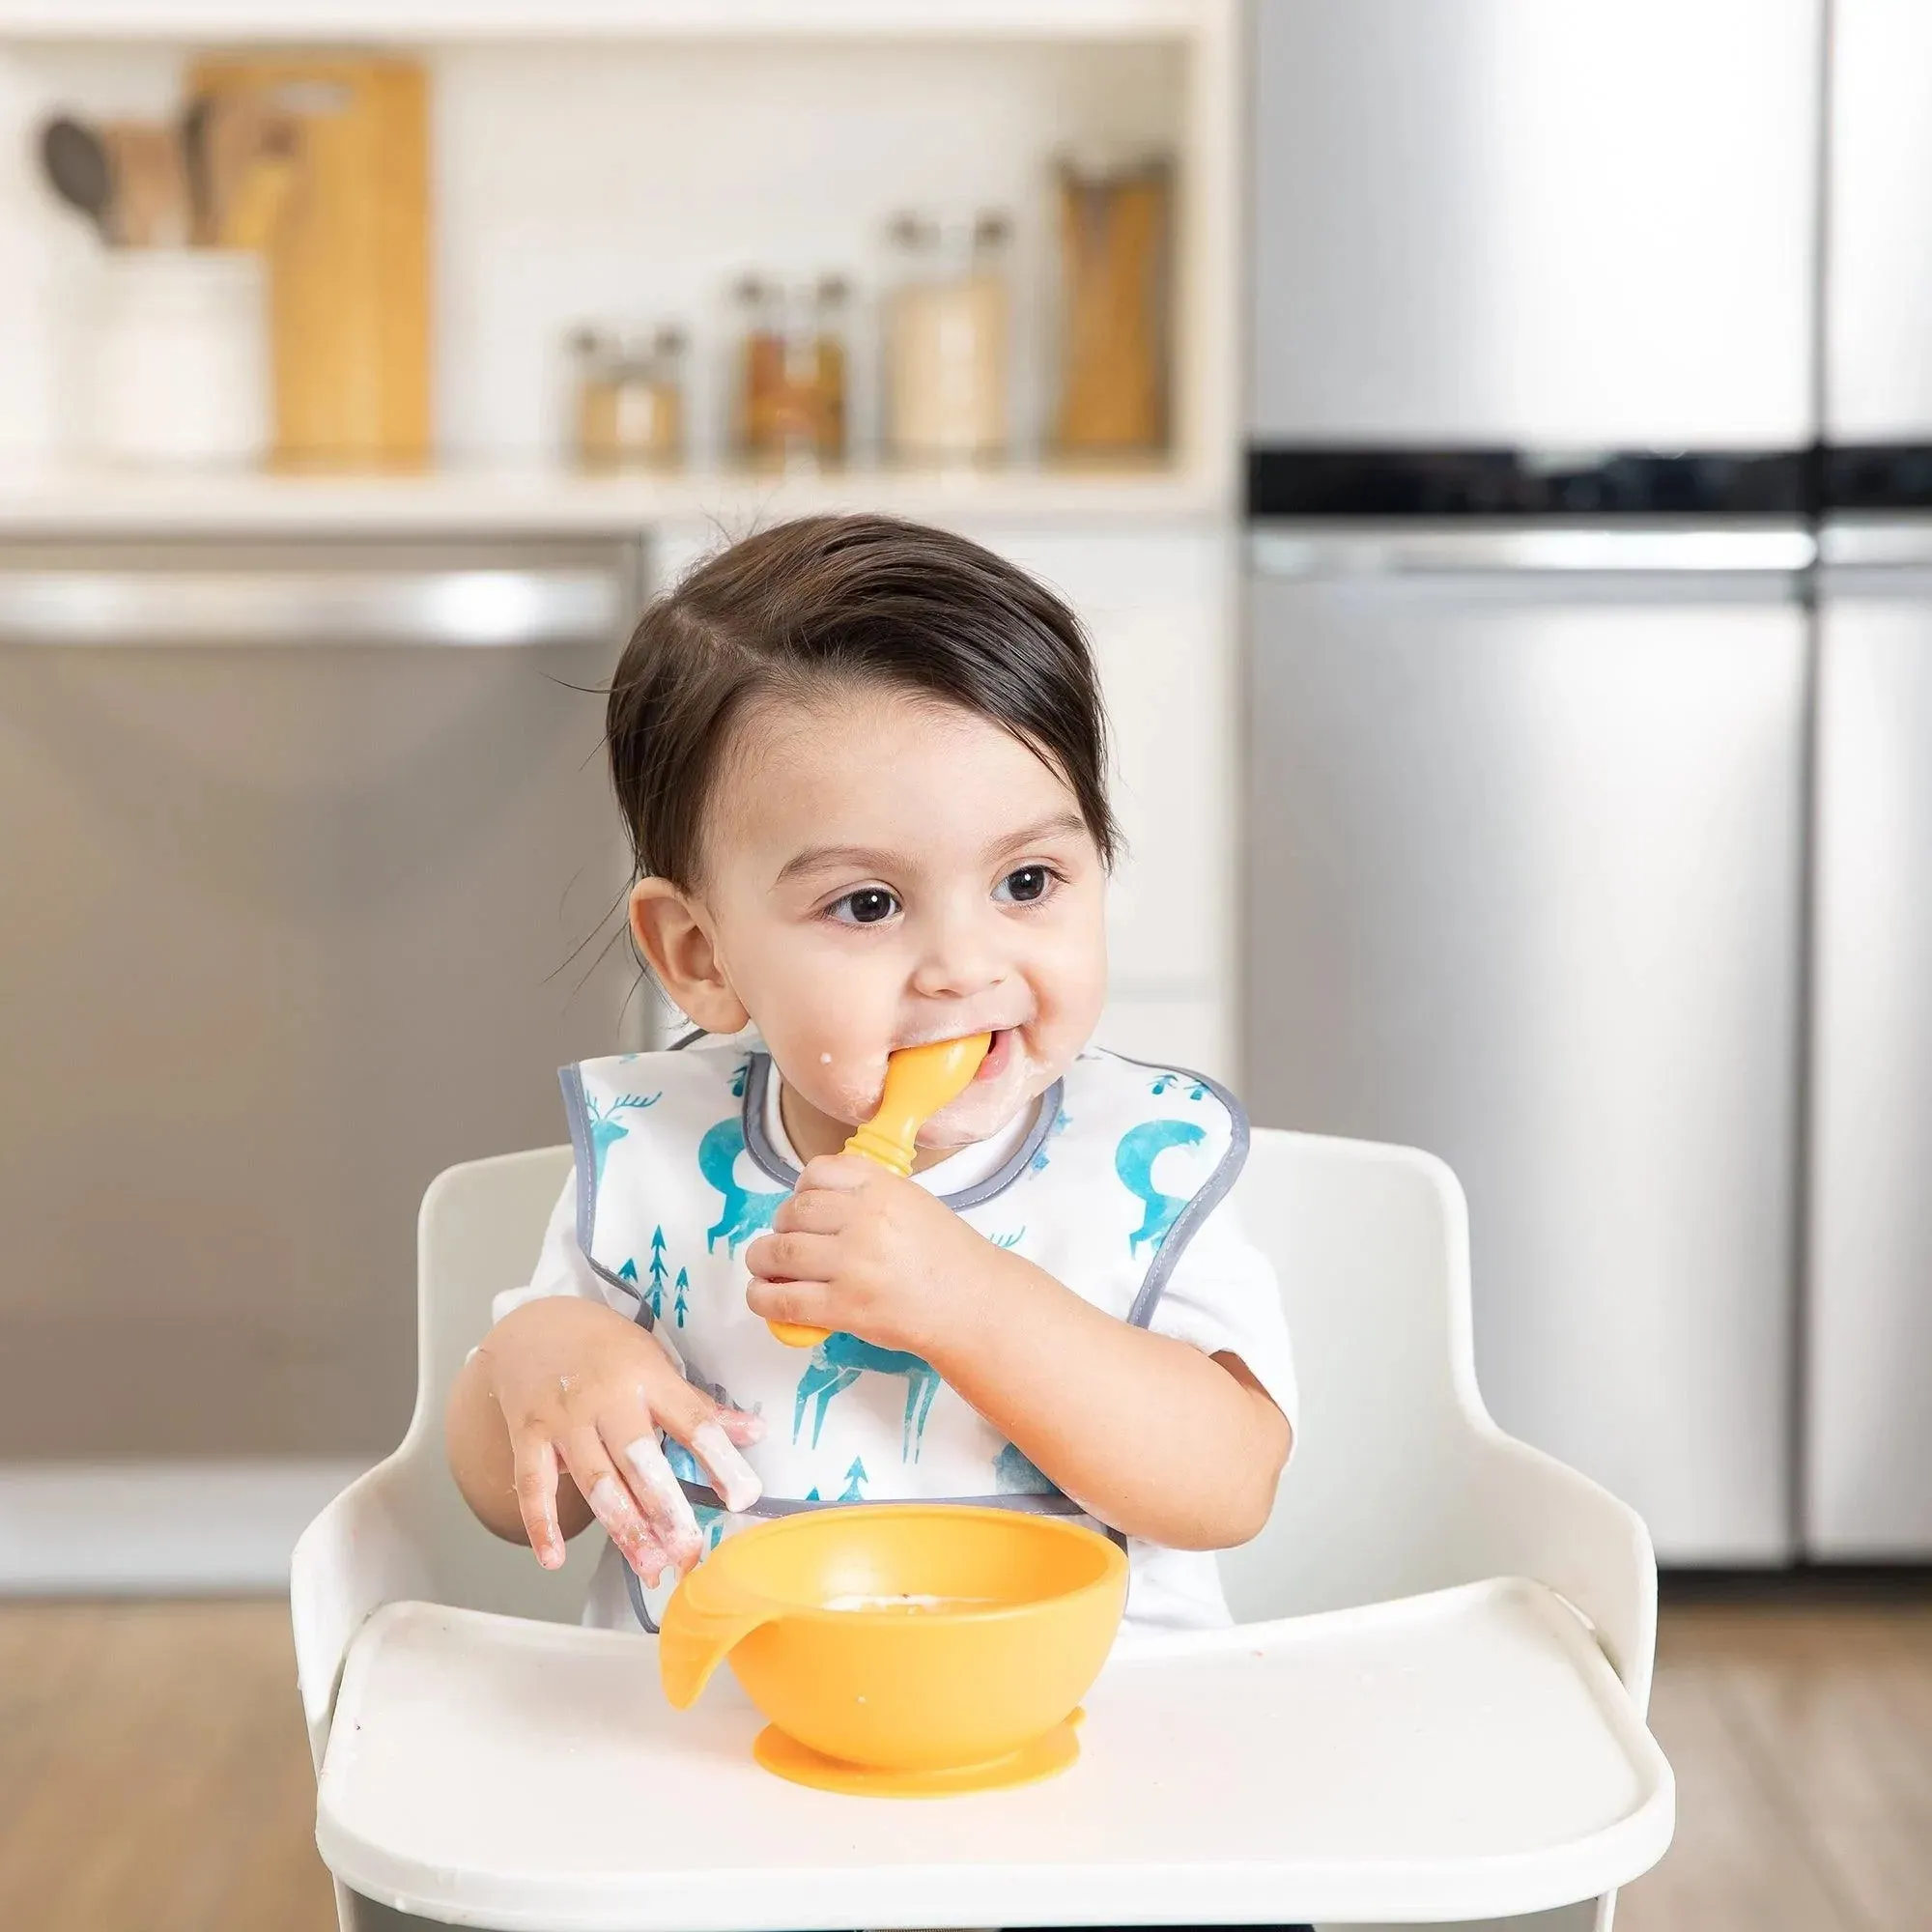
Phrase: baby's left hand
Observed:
(860, 1250)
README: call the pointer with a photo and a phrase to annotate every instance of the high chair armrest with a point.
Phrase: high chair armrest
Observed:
(1529, 1515)
(365, 1550)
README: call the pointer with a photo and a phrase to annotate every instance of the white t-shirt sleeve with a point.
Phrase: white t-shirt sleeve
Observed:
(561, 1267)
(1223, 1300)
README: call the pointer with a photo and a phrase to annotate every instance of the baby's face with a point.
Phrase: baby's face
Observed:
(882, 870)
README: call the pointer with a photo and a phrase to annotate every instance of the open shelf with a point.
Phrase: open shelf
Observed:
(85, 500)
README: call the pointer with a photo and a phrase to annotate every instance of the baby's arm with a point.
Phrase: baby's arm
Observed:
(555, 1420)
(1147, 1431)
(1144, 1431)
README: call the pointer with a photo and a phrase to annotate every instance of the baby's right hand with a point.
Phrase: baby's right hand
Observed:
(583, 1390)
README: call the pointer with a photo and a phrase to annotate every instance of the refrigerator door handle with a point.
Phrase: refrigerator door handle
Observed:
(1356, 551)
(553, 604)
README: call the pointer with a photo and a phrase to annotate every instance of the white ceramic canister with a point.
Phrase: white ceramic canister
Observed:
(179, 369)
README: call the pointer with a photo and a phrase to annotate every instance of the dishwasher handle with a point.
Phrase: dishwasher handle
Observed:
(520, 605)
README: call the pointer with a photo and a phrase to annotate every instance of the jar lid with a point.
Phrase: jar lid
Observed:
(912, 231)
(992, 228)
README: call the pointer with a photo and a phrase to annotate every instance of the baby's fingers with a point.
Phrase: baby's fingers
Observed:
(801, 1304)
(713, 1435)
(816, 1211)
(665, 1507)
(793, 1256)
(613, 1504)
(536, 1499)
(741, 1426)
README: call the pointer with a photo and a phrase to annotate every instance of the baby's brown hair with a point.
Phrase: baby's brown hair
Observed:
(807, 606)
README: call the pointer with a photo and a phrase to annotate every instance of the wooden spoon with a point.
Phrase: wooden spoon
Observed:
(150, 184)
(77, 167)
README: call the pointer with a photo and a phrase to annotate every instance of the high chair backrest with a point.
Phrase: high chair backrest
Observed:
(478, 1235)
(1371, 1247)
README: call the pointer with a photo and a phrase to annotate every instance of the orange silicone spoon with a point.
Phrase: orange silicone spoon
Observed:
(920, 1080)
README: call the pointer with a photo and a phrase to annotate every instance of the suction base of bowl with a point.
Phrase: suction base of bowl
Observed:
(1044, 1757)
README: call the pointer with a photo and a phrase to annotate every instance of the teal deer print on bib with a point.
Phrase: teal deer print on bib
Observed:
(839, 1360)
(605, 1130)
(1133, 1162)
(746, 1210)
(1016, 1475)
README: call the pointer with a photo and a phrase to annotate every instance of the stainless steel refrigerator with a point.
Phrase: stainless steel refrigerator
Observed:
(1867, 1422)
(1531, 401)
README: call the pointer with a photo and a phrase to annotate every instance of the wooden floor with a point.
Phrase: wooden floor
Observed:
(153, 1777)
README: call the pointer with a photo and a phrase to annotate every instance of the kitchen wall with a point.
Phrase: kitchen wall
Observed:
(630, 182)
(614, 182)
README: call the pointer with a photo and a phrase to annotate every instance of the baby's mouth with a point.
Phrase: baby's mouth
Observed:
(997, 1055)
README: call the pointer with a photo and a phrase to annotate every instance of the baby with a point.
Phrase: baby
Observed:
(862, 764)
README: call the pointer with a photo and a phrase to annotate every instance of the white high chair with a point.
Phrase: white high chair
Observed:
(1433, 1713)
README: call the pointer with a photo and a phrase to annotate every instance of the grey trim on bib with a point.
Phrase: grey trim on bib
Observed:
(758, 1144)
(1188, 1223)
(577, 1112)
(634, 1585)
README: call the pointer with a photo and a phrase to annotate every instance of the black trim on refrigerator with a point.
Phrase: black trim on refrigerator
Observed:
(1877, 476)
(1296, 480)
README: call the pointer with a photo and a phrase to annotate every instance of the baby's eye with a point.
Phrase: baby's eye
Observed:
(1023, 887)
(868, 906)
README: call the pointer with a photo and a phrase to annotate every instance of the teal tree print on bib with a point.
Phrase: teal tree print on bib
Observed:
(1015, 1475)
(839, 1360)
(1133, 1162)
(738, 1073)
(1196, 1089)
(605, 1130)
(854, 1483)
(746, 1210)
(1041, 1157)
(681, 1289)
(657, 1272)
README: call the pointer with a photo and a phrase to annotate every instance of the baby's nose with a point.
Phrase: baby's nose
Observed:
(961, 958)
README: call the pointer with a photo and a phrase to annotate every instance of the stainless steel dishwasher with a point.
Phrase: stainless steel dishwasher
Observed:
(303, 846)
(1524, 843)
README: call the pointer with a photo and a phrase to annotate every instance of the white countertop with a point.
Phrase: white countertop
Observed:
(104, 502)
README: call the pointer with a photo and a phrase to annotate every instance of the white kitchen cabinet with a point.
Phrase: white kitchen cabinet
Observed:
(1158, 607)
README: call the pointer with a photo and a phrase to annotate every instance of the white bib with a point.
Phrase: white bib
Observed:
(675, 1174)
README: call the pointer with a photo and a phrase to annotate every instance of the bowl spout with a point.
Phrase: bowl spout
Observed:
(708, 1616)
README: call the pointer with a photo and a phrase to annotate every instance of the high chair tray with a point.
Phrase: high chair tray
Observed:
(1465, 1754)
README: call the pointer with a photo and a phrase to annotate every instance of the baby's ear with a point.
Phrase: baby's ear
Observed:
(675, 935)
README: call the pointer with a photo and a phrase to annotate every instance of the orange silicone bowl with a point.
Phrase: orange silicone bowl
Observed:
(1009, 1621)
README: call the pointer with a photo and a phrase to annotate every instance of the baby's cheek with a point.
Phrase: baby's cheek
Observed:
(839, 1080)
